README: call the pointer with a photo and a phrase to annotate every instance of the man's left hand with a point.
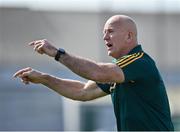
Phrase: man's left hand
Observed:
(44, 47)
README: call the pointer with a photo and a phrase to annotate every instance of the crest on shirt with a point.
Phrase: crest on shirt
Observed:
(112, 87)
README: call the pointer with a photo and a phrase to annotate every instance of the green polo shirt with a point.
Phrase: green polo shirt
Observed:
(140, 102)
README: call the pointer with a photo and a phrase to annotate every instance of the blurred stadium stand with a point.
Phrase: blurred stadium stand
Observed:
(35, 107)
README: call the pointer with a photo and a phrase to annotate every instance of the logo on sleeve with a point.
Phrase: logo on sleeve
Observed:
(132, 81)
(112, 87)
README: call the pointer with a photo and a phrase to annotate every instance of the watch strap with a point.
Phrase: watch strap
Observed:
(60, 52)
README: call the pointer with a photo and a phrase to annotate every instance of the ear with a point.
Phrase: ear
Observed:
(129, 37)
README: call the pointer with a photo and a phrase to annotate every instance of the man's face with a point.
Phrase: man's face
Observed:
(114, 37)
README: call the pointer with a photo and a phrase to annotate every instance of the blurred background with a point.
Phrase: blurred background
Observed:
(77, 25)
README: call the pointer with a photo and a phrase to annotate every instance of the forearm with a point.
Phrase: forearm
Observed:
(91, 70)
(68, 88)
(72, 89)
(83, 67)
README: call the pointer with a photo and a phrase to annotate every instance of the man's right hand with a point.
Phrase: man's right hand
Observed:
(44, 47)
(29, 75)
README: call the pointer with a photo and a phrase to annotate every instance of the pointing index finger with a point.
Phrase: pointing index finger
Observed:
(21, 71)
(31, 43)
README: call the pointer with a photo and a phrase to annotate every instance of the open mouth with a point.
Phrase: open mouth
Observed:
(109, 45)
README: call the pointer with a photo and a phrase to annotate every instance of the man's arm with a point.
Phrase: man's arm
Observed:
(99, 72)
(72, 89)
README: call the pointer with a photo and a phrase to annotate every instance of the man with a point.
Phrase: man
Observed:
(137, 90)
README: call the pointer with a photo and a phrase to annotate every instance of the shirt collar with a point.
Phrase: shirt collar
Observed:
(136, 49)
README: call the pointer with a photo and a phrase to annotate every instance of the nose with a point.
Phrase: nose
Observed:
(106, 36)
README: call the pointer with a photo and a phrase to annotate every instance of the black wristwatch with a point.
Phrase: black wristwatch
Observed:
(60, 52)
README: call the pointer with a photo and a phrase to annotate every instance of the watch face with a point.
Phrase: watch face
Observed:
(62, 51)
(59, 53)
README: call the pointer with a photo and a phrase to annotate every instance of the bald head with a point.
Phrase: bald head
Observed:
(120, 35)
(123, 21)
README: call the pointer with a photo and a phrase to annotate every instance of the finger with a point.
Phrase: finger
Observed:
(37, 46)
(31, 43)
(24, 81)
(39, 41)
(24, 75)
(40, 49)
(35, 42)
(25, 78)
(21, 71)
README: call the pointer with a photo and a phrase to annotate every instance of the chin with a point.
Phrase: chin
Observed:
(110, 54)
(113, 55)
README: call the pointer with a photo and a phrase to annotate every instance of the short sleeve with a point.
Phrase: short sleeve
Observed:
(104, 86)
(134, 67)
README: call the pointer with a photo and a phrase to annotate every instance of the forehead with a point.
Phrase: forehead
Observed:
(111, 25)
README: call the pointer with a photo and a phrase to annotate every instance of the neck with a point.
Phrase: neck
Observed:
(126, 51)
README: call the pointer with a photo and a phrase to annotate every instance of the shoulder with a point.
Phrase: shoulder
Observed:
(137, 65)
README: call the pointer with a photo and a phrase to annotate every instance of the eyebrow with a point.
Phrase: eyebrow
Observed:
(109, 29)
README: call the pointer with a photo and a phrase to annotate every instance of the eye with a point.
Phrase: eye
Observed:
(110, 31)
